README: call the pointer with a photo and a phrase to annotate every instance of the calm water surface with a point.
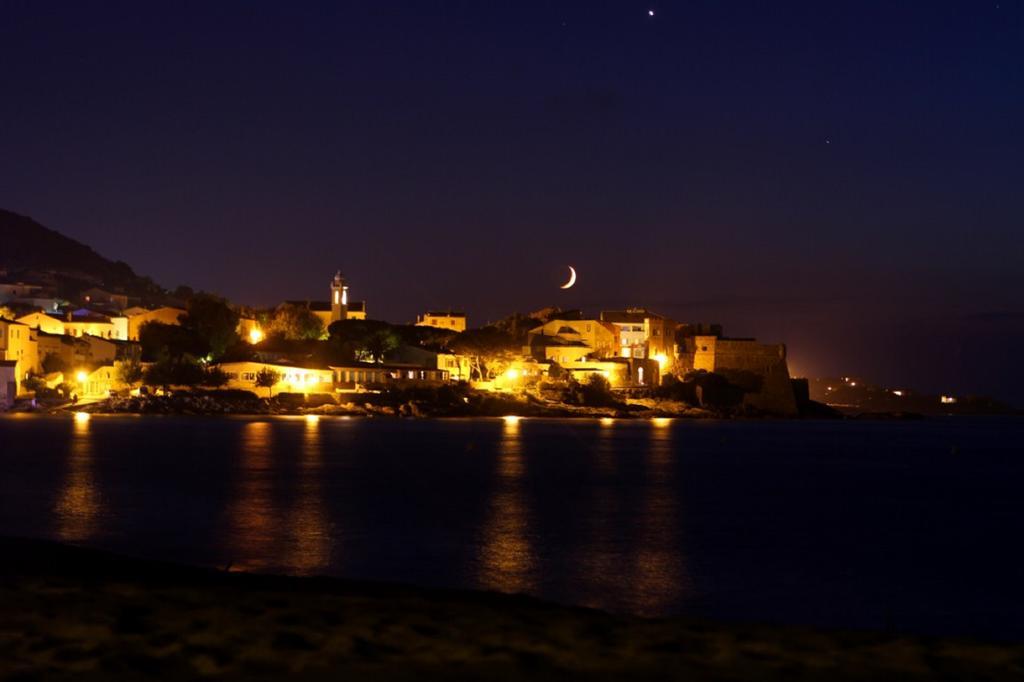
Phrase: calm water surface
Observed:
(907, 525)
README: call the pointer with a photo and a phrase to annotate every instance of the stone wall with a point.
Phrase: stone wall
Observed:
(768, 361)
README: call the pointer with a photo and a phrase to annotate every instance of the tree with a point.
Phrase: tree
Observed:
(130, 372)
(161, 341)
(488, 348)
(184, 371)
(183, 293)
(295, 322)
(596, 391)
(267, 378)
(54, 363)
(432, 338)
(214, 377)
(362, 340)
(211, 319)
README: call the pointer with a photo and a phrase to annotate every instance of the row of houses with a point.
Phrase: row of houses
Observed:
(27, 348)
(632, 348)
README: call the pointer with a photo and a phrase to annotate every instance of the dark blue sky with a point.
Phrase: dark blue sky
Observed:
(845, 177)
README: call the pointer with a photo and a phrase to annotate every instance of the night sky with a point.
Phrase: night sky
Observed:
(844, 177)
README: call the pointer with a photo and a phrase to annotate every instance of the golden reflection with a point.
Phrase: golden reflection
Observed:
(310, 530)
(598, 561)
(507, 562)
(251, 514)
(79, 502)
(656, 575)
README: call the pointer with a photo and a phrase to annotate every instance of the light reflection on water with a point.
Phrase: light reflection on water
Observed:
(506, 561)
(78, 503)
(599, 559)
(309, 526)
(792, 521)
(251, 517)
(656, 576)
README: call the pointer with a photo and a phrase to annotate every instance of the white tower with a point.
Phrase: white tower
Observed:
(339, 298)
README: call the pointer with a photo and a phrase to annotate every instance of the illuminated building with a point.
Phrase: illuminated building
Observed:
(8, 382)
(338, 307)
(100, 382)
(457, 366)
(443, 320)
(18, 345)
(291, 378)
(764, 360)
(643, 334)
(565, 341)
(620, 372)
(339, 298)
(140, 316)
(79, 323)
(361, 375)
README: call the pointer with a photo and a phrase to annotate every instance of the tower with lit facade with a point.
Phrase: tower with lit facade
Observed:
(339, 298)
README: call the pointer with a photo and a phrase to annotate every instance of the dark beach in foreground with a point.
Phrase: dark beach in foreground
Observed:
(73, 613)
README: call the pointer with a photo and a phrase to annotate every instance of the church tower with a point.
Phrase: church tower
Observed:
(339, 298)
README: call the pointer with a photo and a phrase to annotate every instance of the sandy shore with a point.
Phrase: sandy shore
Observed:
(71, 613)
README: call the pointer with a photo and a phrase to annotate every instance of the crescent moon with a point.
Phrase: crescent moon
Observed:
(572, 278)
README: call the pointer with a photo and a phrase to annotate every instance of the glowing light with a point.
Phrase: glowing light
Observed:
(511, 419)
(255, 335)
(853, 383)
(661, 422)
(607, 421)
(82, 376)
(312, 418)
(512, 374)
(81, 417)
(662, 360)
(650, 12)
(312, 379)
(899, 393)
(947, 400)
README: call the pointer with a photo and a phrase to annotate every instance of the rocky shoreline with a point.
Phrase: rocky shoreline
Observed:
(479, 405)
(73, 613)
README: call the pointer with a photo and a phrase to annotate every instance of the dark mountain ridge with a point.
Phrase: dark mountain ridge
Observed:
(32, 252)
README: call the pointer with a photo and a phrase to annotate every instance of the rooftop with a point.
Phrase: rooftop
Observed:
(629, 315)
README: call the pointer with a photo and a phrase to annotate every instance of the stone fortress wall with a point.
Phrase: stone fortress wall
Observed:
(767, 360)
